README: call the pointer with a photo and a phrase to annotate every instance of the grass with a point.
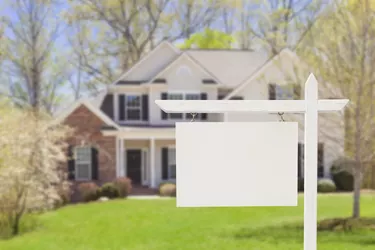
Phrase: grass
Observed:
(159, 225)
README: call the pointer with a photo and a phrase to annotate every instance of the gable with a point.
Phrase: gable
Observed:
(185, 73)
(84, 109)
(151, 64)
(283, 68)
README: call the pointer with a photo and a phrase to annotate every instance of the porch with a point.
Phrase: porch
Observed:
(147, 162)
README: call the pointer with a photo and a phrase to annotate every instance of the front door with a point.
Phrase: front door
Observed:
(134, 163)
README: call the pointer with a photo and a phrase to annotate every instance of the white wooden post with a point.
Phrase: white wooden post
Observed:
(311, 164)
(310, 106)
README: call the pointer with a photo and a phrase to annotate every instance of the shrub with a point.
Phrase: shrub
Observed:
(88, 191)
(109, 190)
(341, 174)
(301, 184)
(123, 186)
(326, 186)
(167, 189)
(65, 198)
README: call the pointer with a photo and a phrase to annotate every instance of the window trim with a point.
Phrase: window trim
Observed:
(76, 163)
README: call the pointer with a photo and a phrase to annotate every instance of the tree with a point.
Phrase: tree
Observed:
(209, 39)
(340, 50)
(278, 24)
(30, 155)
(30, 65)
(110, 36)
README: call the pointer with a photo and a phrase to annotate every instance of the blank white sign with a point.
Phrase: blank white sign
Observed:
(236, 164)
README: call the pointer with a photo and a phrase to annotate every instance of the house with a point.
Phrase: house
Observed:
(122, 132)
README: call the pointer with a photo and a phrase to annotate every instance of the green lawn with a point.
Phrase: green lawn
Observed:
(158, 224)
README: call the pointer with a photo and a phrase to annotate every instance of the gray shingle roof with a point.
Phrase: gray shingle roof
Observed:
(231, 67)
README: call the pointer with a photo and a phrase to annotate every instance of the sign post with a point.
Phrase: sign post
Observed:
(310, 107)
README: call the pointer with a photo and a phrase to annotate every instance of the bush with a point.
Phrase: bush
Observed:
(341, 174)
(88, 191)
(123, 186)
(109, 190)
(326, 186)
(65, 198)
(167, 189)
(301, 185)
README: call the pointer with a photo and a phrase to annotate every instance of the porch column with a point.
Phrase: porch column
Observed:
(122, 158)
(152, 162)
(118, 163)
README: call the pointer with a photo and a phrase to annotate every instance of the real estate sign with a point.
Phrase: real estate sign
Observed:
(236, 164)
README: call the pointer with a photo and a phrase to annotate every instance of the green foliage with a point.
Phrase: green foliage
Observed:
(341, 172)
(167, 189)
(89, 191)
(109, 190)
(326, 186)
(209, 39)
(123, 186)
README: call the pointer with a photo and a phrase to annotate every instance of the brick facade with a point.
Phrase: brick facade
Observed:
(87, 129)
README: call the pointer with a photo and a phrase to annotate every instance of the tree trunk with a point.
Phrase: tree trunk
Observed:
(16, 225)
(357, 191)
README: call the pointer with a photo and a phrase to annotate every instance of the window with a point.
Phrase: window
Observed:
(180, 96)
(176, 97)
(133, 107)
(171, 163)
(83, 163)
(284, 92)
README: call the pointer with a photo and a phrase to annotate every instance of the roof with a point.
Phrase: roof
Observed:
(261, 69)
(88, 103)
(231, 67)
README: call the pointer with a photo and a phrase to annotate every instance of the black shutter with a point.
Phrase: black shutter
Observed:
(272, 91)
(297, 91)
(320, 160)
(107, 105)
(164, 116)
(164, 163)
(204, 115)
(145, 107)
(71, 163)
(300, 159)
(122, 107)
(94, 164)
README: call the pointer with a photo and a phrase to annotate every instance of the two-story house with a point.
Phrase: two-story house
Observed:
(122, 132)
